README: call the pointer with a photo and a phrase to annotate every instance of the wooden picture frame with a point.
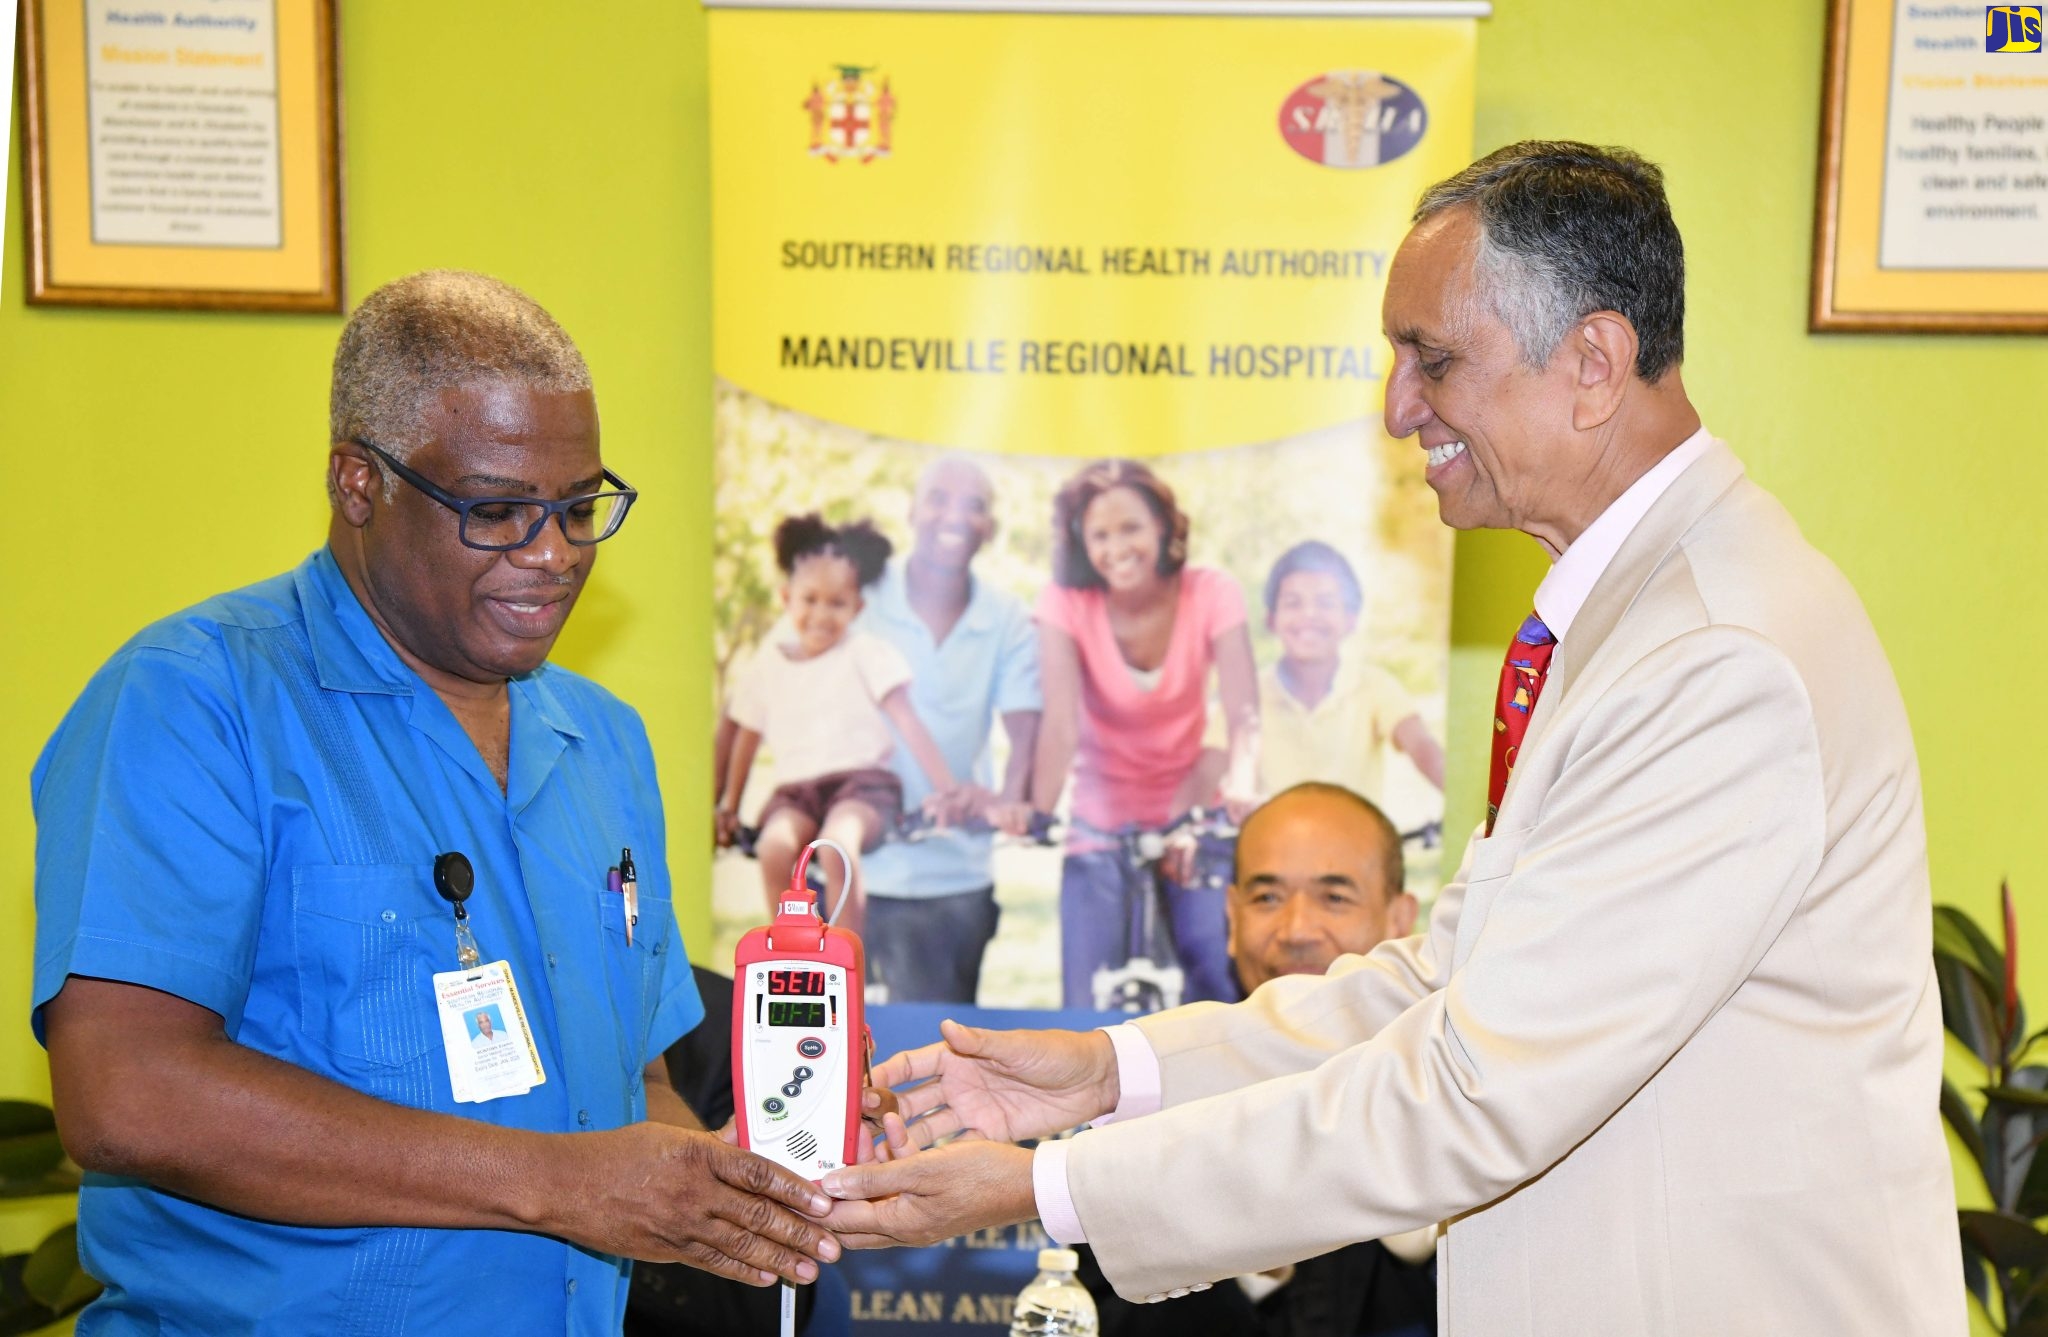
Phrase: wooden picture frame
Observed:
(183, 158)
(1903, 203)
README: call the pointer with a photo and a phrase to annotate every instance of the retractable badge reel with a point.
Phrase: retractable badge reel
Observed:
(454, 878)
(800, 1041)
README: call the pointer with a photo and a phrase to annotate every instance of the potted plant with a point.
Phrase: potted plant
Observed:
(39, 1287)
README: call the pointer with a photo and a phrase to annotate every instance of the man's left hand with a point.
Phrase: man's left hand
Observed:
(966, 1185)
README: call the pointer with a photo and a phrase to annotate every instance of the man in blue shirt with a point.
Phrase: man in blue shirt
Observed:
(973, 656)
(238, 831)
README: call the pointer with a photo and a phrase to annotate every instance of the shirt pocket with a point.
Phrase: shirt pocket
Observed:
(636, 969)
(365, 950)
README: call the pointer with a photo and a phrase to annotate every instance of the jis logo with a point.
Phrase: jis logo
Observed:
(2012, 28)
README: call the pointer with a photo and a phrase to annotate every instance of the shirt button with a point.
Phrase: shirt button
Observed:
(571, 1286)
(390, 916)
(583, 1117)
(551, 960)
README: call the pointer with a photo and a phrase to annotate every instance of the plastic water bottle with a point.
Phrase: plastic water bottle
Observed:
(1054, 1304)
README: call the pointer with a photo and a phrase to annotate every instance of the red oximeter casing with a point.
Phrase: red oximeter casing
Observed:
(800, 1042)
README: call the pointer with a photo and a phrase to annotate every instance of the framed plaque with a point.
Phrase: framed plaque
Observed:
(1932, 208)
(183, 154)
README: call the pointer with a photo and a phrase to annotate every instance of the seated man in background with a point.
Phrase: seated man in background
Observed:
(249, 829)
(1318, 876)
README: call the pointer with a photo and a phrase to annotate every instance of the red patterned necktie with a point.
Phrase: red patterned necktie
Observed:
(1521, 682)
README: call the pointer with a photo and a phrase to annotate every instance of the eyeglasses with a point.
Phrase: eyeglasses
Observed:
(500, 524)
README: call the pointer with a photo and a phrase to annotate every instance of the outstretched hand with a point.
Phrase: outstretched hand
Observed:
(932, 1196)
(1001, 1085)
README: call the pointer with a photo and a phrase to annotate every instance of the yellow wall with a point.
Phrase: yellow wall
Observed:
(567, 154)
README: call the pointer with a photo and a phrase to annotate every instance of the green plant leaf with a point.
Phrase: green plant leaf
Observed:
(2006, 1241)
(2032, 1199)
(1976, 1274)
(25, 1116)
(2017, 1096)
(53, 1276)
(19, 1311)
(62, 1180)
(1957, 935)
(29, 1156)
(1967, 1009)
(1957, 1112)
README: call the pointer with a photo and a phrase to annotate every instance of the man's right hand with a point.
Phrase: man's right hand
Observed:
(1005, 1085)
(661, 1193)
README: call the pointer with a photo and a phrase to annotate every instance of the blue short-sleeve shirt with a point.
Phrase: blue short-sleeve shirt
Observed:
(987, 666)
(243, 809)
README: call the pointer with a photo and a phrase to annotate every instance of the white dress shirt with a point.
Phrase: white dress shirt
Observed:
(1558, 601)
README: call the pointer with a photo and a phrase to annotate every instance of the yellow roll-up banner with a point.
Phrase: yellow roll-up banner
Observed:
(975, 255)
(1056, 524)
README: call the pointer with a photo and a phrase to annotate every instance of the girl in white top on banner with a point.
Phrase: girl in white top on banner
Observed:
(822, 697)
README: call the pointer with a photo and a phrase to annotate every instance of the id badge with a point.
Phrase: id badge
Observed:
(485, 1034)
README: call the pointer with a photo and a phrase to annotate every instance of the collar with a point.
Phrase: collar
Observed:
(351, 655)
(1349, 676)
(1570, 582)
(541, 699)
(892, 597)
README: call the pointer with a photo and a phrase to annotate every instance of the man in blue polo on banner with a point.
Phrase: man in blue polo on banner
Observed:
(974, 658)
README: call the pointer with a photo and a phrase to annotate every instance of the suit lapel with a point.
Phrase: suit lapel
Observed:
(1691, 495)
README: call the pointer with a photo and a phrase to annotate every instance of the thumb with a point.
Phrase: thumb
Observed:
(859, 1182)
(967, 1040)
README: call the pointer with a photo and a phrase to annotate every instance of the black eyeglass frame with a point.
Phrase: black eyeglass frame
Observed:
(558, 510)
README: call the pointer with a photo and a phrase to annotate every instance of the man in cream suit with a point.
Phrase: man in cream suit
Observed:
(1668, 1058)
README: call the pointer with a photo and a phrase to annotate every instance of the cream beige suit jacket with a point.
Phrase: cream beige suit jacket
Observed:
(1668, 1059)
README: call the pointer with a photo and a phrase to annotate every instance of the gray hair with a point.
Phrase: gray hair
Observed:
(1567, 229)
(433, 331)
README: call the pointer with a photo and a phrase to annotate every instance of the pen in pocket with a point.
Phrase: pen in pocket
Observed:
(629, 883)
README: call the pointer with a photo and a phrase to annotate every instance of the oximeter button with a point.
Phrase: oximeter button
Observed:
(772, 1105)
(802, 1073)
(810, 1046)
(792, 1089)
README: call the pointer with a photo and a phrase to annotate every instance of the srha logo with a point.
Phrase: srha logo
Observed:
(1353, 118)
(2012, 28)
(852, 115)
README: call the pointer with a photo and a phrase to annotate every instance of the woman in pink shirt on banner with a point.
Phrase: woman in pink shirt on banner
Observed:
(1128, 633)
